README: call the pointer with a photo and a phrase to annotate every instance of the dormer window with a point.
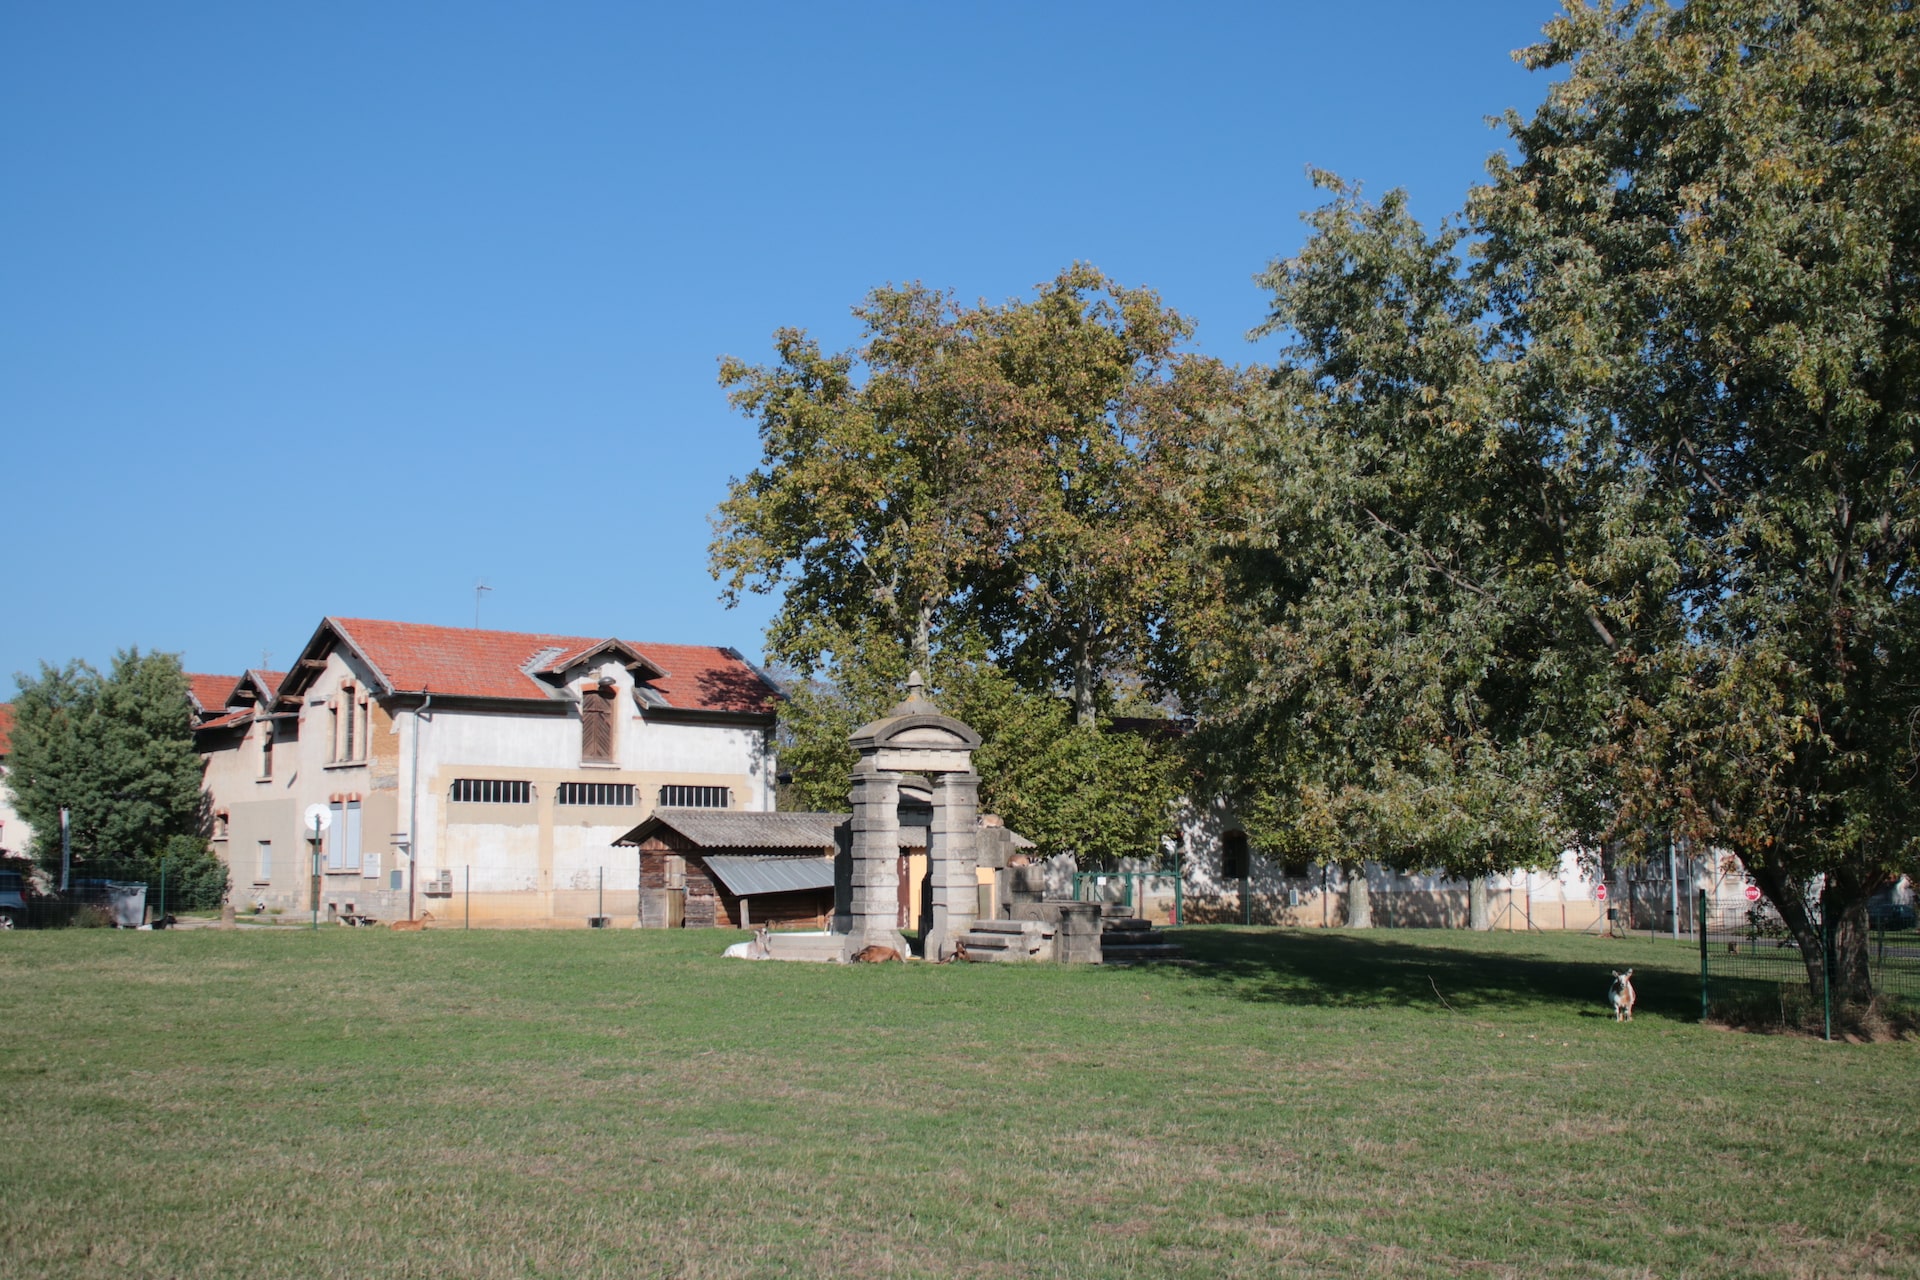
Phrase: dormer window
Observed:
(596, 721)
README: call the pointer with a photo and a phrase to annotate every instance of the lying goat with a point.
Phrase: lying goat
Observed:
(1620, 996)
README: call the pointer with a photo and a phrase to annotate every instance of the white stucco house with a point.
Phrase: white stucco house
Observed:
(510, 759)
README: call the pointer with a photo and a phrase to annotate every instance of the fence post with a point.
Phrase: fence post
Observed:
(1179, 878)
(1700, 922)
(1826, 961)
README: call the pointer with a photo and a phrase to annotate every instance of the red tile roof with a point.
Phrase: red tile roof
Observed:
(458, 662)
(6, 727)
(231, 718)
(268, 682)
(211, 692)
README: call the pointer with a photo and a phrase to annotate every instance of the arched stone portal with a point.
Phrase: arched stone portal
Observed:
(915, 738)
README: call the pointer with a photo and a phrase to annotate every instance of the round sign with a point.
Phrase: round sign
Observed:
(1753, 893)
(1599, 893)
(318, 815)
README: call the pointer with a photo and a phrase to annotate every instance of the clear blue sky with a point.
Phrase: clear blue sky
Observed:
(337, 309)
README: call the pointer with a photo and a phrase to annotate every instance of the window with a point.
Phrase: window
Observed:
(353, 713)
(266, 749)
(601, 793)
(492, 791)
(263, 870)
(220, 818)
(1234, 860)
(343, 837)
(695, 798)
(347, 726)
(596, 722)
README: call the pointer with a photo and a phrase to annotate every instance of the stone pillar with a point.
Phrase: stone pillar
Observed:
(1077, 940)
(952, 859)
(874, 860)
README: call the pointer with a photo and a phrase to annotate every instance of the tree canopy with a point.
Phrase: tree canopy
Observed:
(1588, 518)
(988, 494)
(1594, 516)
(115, 749)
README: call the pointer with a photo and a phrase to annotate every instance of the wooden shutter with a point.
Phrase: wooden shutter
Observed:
(596, 725)
(351, 852)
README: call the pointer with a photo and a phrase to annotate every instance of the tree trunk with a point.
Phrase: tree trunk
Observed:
(1852, 976)
(1477, 904)
(1844, 907)
(1788, 898)
(1085, 714)
(1359, 909)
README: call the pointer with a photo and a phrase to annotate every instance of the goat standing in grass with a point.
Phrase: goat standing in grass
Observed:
(1620, 996)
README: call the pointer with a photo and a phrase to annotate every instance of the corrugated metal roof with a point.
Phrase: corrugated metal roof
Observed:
(734, 829)
(746, 876)
(737, 829)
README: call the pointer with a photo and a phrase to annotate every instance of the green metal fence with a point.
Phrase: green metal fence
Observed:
(1752, 970)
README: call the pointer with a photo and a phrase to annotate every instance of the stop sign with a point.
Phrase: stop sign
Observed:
(1753, 893)
(1599, 893)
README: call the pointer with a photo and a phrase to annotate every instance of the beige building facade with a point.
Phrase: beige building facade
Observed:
(16, 837)
(444, 761)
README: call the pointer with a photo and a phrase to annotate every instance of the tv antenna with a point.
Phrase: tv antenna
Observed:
(480, 589)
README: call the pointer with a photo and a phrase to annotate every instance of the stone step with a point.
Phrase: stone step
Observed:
(1136, 953)
(1126, 924)
(816, 947)
(1010, 926)
(997, 948)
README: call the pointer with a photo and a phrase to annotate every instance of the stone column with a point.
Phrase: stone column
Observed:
(952, 856)
(874, 854)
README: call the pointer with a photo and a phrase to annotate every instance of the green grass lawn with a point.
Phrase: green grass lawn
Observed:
(364, 1103)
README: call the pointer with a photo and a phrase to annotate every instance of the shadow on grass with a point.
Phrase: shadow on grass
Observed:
(1376, 969)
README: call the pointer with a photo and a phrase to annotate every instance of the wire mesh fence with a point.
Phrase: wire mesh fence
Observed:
(1755, 970)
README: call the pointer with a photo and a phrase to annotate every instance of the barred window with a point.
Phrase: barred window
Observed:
(602, 793)
(695, 798)
(492, 791)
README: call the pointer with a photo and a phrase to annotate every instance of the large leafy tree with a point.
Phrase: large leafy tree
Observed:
(1088, 409)
(1620, 518)
(1007, 471)
(986, 494)
(1390, 677)
(1706, 263)
(115, 750)
(866, 512)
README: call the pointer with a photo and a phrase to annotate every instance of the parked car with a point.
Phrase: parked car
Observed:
(1884, 913)
(13, 902)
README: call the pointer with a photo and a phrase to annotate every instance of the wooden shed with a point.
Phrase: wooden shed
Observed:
(704, 868)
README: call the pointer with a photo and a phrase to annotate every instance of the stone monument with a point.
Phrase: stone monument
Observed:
(916, 737)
